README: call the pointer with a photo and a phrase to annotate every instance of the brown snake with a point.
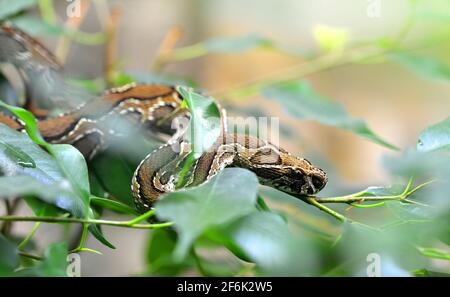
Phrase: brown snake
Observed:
(88, 128)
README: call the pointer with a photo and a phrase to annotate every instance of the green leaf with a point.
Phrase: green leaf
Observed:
(433, 11)
(385, 191)
(8, 7)
(9, 257)
(113, 205)
(434, 253)
(72, 163)
(393, 247)
(425, 166)
(17, 155)
(221, 45)
(94, 229)
(236, 44)
(204, 127)
(67, 175)
(159, 254)
(46, 180)
(35, 26)
(23, 185)
(53, 265)
(424, 65)
(435, 137)
(299, 100)
(429, 273)
(117, 184)
(29, 120)
(41, 208)
(405, 212)
(55, 262)
(266, 240)
(226, 197)
(121, 79)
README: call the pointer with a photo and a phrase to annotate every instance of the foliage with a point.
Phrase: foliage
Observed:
(301, 101)
(229, 213)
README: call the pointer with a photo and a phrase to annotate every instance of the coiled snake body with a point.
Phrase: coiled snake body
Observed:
(88, 129)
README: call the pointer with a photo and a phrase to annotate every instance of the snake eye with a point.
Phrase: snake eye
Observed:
(318, 183)
(266, 156)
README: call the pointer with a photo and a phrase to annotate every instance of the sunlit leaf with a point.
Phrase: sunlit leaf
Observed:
(329, 38)
(204, 126)
(299, 100)
(226, 197)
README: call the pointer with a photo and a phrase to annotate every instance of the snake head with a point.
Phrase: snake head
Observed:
(279, 169)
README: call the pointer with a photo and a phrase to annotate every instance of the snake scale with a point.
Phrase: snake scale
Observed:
(87, 129)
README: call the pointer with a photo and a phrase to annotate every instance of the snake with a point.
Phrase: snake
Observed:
(88, 128)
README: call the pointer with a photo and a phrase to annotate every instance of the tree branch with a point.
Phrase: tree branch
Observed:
(124, 224)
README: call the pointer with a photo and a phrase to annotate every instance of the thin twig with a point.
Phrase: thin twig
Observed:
(167, 45)
(326, 209)
(124, 224)
(10, 206)
(6, 225)
(31, 256)
(63, 45)
(360, 197)
(110, 46)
